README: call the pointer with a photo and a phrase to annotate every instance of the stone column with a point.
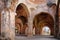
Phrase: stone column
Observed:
(30, 27)
(12, 25)
(59, 21)
(59, 28)
(8, 24)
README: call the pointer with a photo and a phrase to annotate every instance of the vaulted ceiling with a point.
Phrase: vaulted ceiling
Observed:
(43, 19)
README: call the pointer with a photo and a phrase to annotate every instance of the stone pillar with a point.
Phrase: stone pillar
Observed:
(59, 28)
(30, 27)
(8, 24)
(12, 25)
(59, 20)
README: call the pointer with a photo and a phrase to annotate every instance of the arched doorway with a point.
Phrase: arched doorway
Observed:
(46, 30)
(21, 19)
(43, 19)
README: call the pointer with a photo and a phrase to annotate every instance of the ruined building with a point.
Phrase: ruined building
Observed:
(28, 17)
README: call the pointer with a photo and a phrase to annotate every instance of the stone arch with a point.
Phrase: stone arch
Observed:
(23, 5)
(22, 14)
(43, 19)
(24, 19)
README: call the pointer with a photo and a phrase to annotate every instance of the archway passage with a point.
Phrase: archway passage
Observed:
(46, 30)
(21, 19)
(41, 20)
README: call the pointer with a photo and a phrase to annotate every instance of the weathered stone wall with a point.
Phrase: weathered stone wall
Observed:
(7, 20)
(1, 8)
(9, 12)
